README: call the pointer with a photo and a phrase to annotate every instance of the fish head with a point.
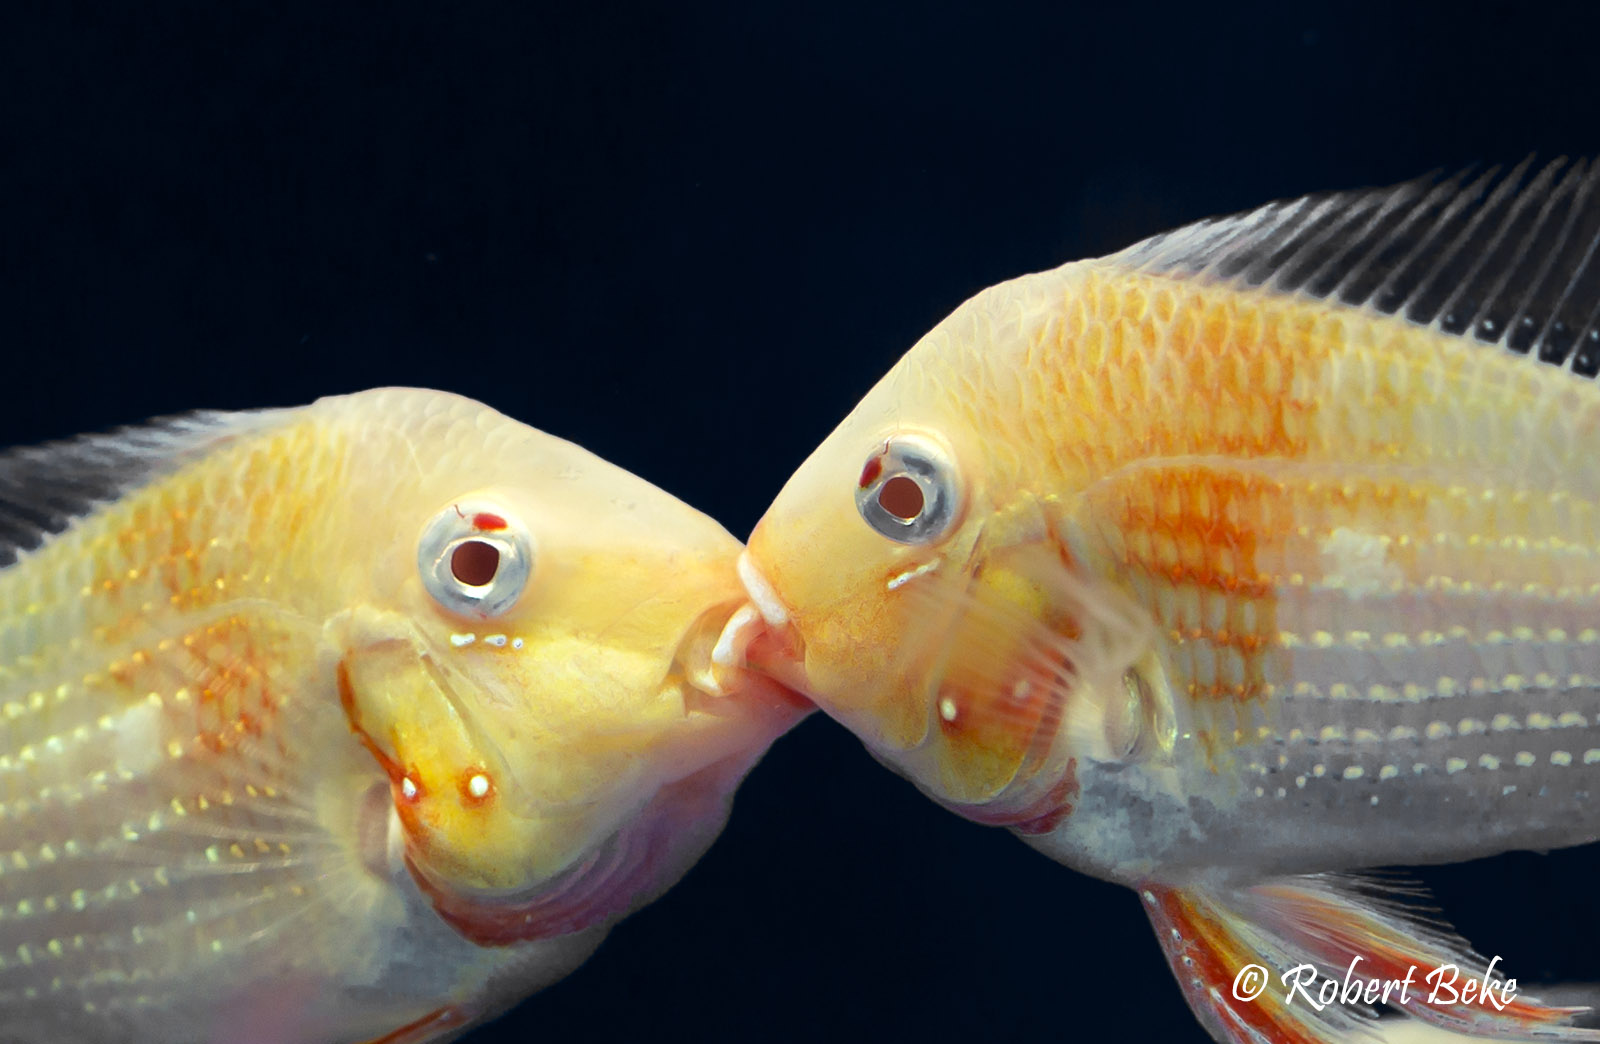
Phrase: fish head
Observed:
(919, 581)
(532, 666)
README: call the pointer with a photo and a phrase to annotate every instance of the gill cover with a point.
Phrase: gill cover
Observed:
(445, 777)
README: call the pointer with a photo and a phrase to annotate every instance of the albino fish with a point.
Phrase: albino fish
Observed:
(1263, 550)
(352, 722)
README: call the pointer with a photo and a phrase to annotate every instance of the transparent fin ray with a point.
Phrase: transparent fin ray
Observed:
(43, 489)
(1508, 259)
(1292, 928)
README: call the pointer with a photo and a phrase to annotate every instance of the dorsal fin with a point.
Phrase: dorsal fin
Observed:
(44, 489)
(1508, 259)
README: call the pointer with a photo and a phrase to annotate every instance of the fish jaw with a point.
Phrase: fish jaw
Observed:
(1004, 673)
(826, 632)
(498, 864)
(630, 869)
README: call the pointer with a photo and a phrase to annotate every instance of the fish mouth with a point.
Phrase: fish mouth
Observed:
(765, 599)
(732, 716)
(714, 659)
(761, 635)
(1037, 792)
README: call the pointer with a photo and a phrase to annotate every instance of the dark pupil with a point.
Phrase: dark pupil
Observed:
(474, 562)
(901, 497)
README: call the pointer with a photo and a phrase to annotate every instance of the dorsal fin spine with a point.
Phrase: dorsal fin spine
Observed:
(1584, 190)
(45, 489)
(1520, 202)
(1508, 258)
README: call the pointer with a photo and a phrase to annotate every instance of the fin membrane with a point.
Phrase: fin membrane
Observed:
(1509, 260)
(1271, 963)
(44, 489)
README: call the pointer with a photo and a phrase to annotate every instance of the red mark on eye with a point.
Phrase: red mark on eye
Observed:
(484, 520)
(870, 473)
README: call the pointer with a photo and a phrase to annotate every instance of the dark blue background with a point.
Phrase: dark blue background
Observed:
(689, 240)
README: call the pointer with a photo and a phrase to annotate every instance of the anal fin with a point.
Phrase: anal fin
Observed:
(1303, 960)
(436, 1025)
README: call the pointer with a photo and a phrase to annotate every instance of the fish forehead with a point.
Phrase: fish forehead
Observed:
(441, 446)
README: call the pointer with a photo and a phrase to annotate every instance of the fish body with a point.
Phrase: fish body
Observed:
(1261, 550)
(351, 722)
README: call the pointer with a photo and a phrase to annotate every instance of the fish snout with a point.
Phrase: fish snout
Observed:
(761, 635)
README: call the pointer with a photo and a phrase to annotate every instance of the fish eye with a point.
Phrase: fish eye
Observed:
(475, 558)
(908, 490)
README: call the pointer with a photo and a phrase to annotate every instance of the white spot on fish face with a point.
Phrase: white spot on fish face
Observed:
(408, 788)
(462, 640)
(496, 640)
(478, 785)
(947, 709)
(1358, 563)
(911, 574)
(516, 643)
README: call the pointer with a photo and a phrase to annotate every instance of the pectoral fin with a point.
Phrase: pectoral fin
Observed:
(1294, 960)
